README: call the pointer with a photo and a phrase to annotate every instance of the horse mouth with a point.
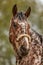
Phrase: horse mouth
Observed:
(24, 52)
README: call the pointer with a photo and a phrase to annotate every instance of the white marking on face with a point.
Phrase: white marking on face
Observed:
(27, 42)
(22, 25)
(24, 29)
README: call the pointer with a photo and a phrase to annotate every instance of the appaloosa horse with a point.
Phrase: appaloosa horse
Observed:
(26, 42)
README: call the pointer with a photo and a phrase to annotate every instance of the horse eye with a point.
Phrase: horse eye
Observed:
(14, 25)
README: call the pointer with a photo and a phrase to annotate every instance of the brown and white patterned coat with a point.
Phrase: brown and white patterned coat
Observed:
(26, 42)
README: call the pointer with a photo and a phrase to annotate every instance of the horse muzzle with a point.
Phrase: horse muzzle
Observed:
(23, 48)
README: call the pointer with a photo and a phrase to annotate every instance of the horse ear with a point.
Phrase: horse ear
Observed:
(14, 10)
(27, 13)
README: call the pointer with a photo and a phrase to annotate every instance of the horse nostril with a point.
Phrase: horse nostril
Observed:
(23, 48)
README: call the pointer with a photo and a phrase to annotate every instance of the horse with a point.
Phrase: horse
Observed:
(27, 43)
